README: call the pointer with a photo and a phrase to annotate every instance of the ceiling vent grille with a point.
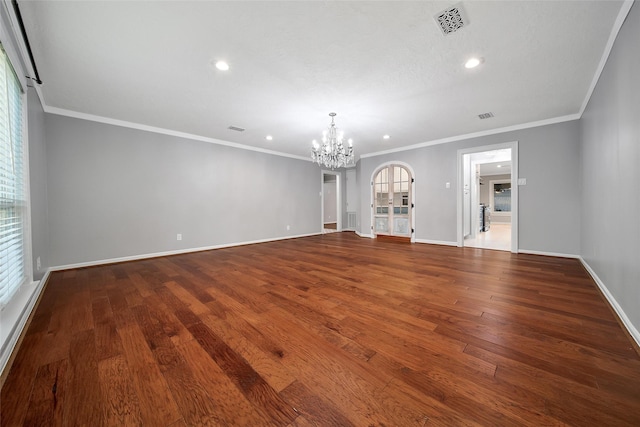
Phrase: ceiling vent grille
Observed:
(451, 20)
(236, 128)
(485, 115)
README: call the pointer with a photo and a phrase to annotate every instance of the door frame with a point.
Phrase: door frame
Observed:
(338, 200)
(412, 202)
(514, 189)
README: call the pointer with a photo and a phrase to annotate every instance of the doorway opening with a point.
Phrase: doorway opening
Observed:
(392, 202)
(488, 197)
(331, 206)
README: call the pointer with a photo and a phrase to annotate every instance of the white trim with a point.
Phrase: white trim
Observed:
(496, 131)
(15, 315)
(365, 236)
(635, 334)
(176, 252)
(413, 194)
(11, 38)
(622, 15)
(514, 189)
(436, 242)
(544, 253)
(163, 131)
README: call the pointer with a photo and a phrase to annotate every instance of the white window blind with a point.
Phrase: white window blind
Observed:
(13, 203)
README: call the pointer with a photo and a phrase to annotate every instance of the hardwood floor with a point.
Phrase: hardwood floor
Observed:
(331, 330)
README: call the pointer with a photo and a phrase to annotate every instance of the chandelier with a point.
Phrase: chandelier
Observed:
(332, 153)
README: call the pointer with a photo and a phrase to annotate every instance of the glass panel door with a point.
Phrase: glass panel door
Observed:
(401, 223)
(381, 202)
(392, 201)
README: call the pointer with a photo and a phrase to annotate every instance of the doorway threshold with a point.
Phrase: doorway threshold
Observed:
(393, 239)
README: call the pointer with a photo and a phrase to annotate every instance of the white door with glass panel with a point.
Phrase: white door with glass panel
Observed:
(392, 201)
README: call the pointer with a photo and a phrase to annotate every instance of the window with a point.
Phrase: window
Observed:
(13, 203)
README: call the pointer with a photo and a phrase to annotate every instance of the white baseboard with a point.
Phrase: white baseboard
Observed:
(554, 254)
(436, 242)
(15, 315)
(635, 334)
(177, 252)
(368, 236)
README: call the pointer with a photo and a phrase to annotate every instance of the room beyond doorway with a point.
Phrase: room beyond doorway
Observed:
(488, 197)
(331, 203)
(498, 237)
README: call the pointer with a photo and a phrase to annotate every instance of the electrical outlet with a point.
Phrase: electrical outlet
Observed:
(38, 264)
(179, 236)
(522, 181)
(288, 227)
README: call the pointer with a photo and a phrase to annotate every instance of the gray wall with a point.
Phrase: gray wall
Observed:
(611, 172)
(548, 156)
(38, 184)
(116, 192)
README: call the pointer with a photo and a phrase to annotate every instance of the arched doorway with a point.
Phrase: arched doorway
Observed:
(392, 207)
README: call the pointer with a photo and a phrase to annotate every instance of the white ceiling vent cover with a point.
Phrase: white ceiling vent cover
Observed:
(452, 19)
(485, 115)
(236, 128)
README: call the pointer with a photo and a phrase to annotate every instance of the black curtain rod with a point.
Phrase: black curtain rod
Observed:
(26, 41)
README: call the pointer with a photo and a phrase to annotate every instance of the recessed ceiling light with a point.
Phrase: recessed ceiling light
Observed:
(222, 66)
(473, 62)
(386, 137)
(268, 138)
(499, 166)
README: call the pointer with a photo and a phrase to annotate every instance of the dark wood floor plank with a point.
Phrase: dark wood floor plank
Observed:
(232, 406)
(349, 385)
(254, 387)
(566, 393)
(83, 403)
(16, 390)
(266, 363)
(157, 405)
(194, 402)
(121, 400)
(325, 330)
(429, 411)
(313, 408)
(48, 391)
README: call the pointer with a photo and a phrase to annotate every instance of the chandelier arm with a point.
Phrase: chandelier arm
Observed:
(332, 153)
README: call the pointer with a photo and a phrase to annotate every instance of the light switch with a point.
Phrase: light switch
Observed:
(447, 185)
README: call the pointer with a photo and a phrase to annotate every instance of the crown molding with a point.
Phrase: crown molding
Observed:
(163, 131)
(462, 137)
(622, 16)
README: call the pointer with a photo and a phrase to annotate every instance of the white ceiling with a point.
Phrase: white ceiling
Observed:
(499, 168)
(494, 162)
(383, 66)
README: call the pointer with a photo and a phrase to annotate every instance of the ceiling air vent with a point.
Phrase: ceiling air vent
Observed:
(451, 20)
(236, 128)
(485, 115)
